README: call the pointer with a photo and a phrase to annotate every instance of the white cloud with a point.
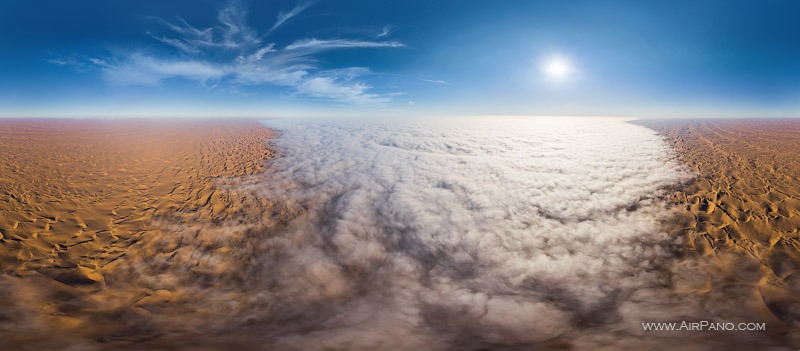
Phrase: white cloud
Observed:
(139, 69)
(385, 31)
(194, 37)
(232, 33)
(329, 88)
(74, 64)
(96, 61)
(62, 62)
(256, 75)
(232, 53)
(177, 43)
(434, 81)
(319, 45)
(462, 235)
(285, 16)
(346, 74)
(256, 56)
(236, 33)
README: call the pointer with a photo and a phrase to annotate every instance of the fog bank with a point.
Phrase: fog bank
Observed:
(493, 232)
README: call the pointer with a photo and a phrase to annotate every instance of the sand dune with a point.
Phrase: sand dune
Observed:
(743, 211)
(78, 197)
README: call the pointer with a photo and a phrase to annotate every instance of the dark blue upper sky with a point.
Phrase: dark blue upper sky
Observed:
(276, 58)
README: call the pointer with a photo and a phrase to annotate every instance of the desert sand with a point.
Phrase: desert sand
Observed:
(742, 213)
(87, 205)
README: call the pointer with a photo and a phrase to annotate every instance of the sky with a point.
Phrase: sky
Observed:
(360, 57)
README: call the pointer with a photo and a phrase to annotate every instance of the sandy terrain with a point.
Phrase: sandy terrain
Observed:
(84, 201)
(743, 211)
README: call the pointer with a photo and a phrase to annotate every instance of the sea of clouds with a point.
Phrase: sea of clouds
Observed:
(466, 233)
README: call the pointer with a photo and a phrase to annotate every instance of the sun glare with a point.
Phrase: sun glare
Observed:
(557, 67)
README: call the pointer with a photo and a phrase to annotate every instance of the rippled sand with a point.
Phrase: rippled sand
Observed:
(743, 213)
(87, 206)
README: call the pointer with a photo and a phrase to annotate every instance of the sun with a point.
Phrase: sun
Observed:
(557, 67)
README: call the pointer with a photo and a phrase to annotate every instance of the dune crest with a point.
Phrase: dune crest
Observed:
(84, 201)
(743, 213)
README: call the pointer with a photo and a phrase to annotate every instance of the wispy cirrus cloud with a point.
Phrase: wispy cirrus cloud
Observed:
(319, 45)
(385, 31)
(73, 62)
(285, 16)
(435, 81)
(232, 32)
(140, 69)
(232, 55)
(331, 88)
(236, 32)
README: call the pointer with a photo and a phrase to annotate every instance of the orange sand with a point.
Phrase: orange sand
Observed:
(743, 210)
(77, 197)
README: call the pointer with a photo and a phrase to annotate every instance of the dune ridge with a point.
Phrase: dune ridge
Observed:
(743, 212)
(79, 197)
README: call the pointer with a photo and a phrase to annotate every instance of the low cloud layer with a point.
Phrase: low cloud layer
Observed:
(470, 234)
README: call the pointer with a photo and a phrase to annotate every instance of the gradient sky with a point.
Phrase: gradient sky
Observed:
(288, 58)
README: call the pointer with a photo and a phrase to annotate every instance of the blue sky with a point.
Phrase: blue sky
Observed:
(293, 58)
